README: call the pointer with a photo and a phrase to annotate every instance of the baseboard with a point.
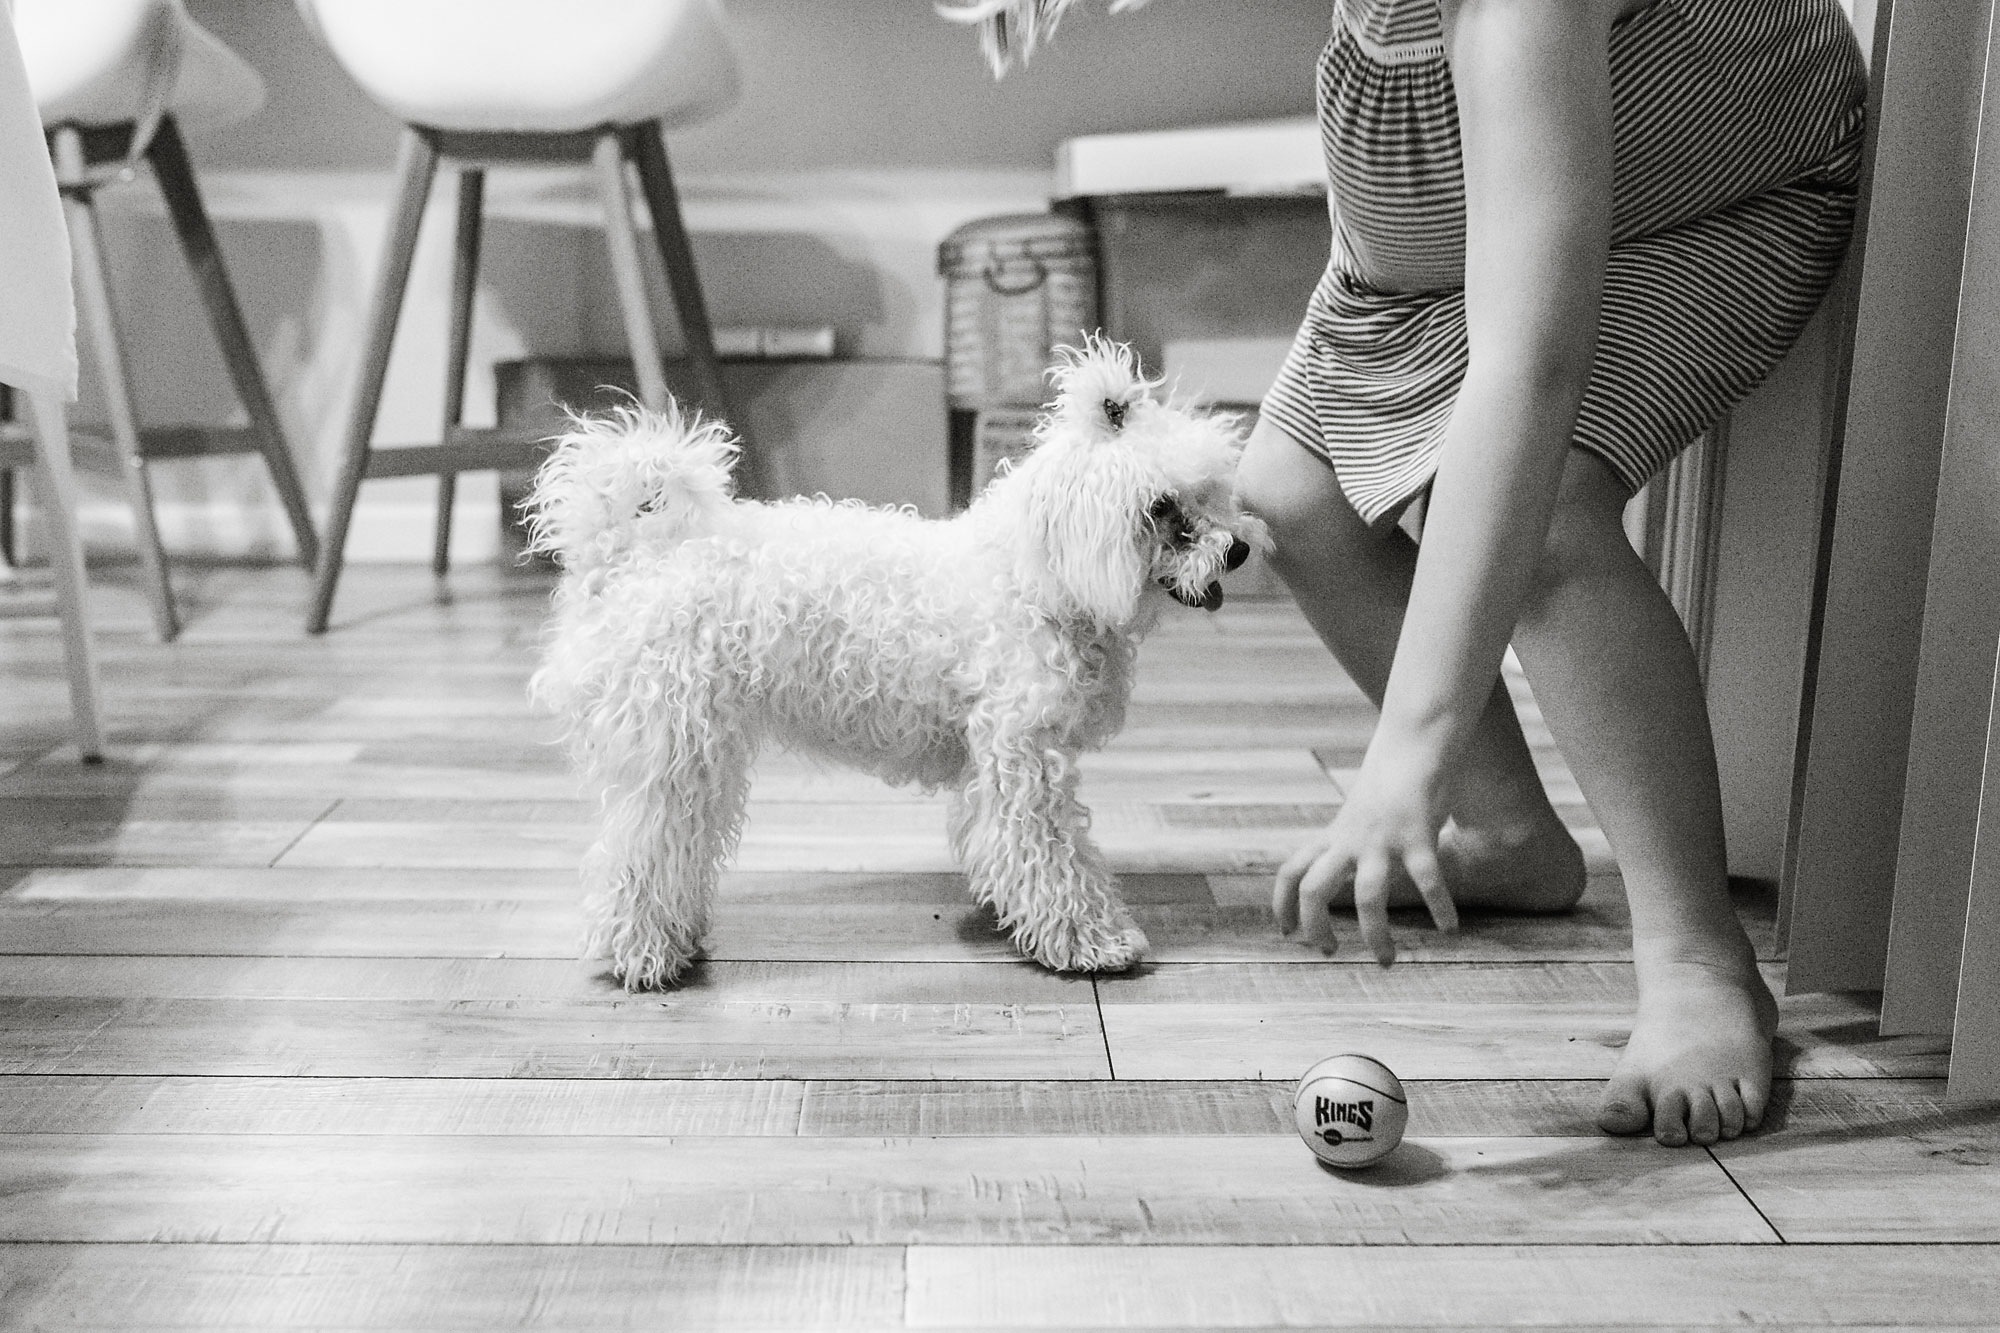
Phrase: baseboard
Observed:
(392, 525)
(865, 430)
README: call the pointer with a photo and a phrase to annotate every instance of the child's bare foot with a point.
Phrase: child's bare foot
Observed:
(1698, 1066)
(1536, 867)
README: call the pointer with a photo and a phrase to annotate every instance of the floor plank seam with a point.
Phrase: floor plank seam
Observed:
(914, 1079)
(1123, 1247)
(1755, 1207)
(316, 821)
(1103, 1028)
(1358, 964)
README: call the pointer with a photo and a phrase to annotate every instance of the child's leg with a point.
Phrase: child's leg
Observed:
(1505, 847)
(1616, 680)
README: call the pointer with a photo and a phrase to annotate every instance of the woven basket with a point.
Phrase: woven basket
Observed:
(1016, 288)
(1003, 436)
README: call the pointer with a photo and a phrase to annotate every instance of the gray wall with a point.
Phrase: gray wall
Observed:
(867, 130)
(832, 84)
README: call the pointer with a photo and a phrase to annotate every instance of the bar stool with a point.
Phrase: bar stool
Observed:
(488, 83)
(113, 80)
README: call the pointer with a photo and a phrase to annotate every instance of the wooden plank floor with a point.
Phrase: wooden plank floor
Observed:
(292, 1034)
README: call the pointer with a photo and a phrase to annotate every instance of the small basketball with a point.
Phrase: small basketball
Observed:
(1350, 1110)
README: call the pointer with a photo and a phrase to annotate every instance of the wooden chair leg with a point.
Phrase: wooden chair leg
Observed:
(8, 554)
(56, 484)
(416, 166)
(464, 283)
(640, 334)
(204, 258)
(93, 290)
(648, 153)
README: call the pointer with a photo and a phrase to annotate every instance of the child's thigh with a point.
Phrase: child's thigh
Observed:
(1295, 491)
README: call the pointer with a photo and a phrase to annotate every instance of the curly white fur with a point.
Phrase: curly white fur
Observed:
(980, 654)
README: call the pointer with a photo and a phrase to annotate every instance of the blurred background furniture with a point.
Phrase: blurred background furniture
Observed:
(42, 450)
(38, 358)
(1017, 287)
(1197, 245)
(1210, 240)
(509, 83)
(114, 80)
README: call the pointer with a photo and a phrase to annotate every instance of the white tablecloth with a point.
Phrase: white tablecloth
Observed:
(37, 308)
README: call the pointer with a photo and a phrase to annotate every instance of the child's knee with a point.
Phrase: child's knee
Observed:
(1295, 493)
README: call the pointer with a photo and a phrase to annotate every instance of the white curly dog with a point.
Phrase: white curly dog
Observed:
(980, 654)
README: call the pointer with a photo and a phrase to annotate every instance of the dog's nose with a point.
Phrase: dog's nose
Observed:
(1239, 551)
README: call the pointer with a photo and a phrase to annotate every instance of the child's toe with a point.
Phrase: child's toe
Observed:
(1624, 1109)
(1704, 1119)
(1755, 1097)
(1670, 1118)
(1729, 1104)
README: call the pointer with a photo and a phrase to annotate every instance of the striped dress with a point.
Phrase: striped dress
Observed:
(1737, 147)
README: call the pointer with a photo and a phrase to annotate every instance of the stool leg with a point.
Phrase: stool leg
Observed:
(239, 353)
(640, 334)
(7, 552)
(93, 290)
(648, 152)
(416, 165)
(464, 282)
(56, 483)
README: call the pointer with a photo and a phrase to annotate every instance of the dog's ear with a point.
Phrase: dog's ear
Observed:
(1084, 512)
(1097, 386)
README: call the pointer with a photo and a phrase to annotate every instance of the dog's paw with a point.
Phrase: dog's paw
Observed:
(1093, 947)
(653, 969)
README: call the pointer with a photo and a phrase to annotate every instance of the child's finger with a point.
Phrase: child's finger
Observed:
(1316, 891)
(1423, 866)
(1285, 889)
(1285, 906)
(1371, 907)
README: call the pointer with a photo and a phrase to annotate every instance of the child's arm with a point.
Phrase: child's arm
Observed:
(1534, 101)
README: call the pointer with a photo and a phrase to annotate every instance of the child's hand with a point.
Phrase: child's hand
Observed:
(1383, 826)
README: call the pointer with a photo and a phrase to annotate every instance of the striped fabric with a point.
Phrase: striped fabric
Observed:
(1392, 34)
(1736, 155)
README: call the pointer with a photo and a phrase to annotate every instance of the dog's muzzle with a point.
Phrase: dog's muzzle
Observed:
(1211, 597)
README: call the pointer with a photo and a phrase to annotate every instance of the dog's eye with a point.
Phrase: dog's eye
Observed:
(1169, 522)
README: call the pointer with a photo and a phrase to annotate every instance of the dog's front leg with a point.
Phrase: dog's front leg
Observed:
(1024, 840)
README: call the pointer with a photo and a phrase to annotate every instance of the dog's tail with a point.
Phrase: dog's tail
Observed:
(625, 474)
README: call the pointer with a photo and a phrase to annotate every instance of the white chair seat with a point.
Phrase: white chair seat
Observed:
(109, 62)
(533, 66)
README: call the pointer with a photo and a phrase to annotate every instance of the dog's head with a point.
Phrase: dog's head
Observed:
(1127, 496)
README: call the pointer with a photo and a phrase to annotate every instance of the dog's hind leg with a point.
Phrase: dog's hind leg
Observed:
(674, 790)
(1024, 840)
